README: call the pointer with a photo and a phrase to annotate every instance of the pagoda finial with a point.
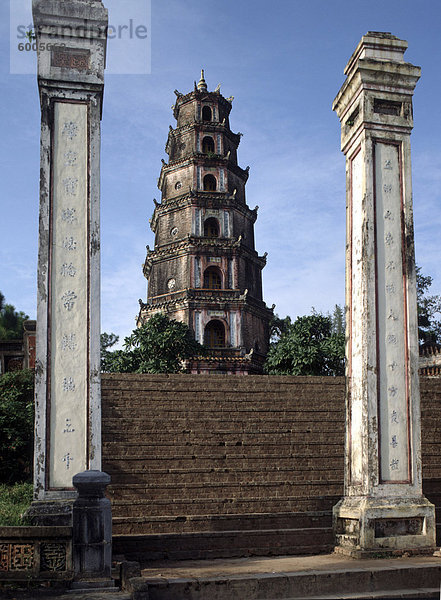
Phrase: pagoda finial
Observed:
(202, 86)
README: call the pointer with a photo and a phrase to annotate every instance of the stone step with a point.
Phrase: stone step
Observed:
(253, 383)
(197, 523)
(303, 464)
(197, 400)
(210, 462)
(236, 522)
(118, 432)
(221, 476)
(237, 446)
(291, 578)
(223, 544)
(58, 594)
(290, 449)
(207, 408)
(237, 490)
(423, 593)
(250, 420)
(171, 425)
(178, 508)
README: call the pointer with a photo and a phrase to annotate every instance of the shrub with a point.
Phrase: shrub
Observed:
(16, 426)
(14, 500)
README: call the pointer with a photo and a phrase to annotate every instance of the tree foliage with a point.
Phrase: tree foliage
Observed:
(11, 321)
(429, 311)
(159, 346)
(278, 327)
(308, 346)
(16, 426)
(337, 317)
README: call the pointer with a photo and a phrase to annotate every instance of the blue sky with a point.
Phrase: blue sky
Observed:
(283, 62)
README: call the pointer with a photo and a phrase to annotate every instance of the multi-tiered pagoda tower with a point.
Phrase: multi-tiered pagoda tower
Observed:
(204, 269)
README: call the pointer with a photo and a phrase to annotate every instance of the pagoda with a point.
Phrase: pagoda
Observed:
(204, 269)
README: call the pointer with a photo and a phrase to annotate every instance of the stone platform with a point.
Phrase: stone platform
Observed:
(313, 577)
(324, 577)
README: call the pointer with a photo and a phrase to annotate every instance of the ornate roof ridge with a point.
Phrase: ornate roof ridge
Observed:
(191, 196)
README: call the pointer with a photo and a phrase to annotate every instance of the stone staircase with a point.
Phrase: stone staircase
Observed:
(224, 466)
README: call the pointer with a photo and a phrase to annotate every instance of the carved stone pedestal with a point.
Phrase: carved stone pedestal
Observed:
(366, 527)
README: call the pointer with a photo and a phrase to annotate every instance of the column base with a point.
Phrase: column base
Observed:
(87, 585)
(367, 527)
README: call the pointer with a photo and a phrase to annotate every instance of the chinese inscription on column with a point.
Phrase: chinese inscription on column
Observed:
(69, 294)
(392, 314)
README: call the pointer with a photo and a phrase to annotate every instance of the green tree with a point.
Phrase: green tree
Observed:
(429, 311)
(107, 340)
(307, 347)
(16, 426)
(159, 346)
(278, 327)
(338, 320)
(11, 321)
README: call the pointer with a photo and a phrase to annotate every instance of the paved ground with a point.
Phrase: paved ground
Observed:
(281, 564)
(231, 567)
(41, 594)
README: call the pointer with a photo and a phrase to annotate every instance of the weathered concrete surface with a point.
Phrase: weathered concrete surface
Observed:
(383, 507)
(46, 594)
(325, 577)
(330, 576)
(71, 39)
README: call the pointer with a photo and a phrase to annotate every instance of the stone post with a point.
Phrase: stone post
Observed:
(383, 509)
(71, 38)
(92, 531)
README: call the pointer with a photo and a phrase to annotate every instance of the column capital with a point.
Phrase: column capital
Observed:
(377, 93)
(71, 42)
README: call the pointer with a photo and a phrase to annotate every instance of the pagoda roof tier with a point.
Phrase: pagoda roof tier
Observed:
(199, 246)
(212, 126)
(200, 159)
(217, 200)
(193, 298)
(200, 96)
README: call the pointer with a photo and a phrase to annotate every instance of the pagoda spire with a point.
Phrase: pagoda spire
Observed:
(202, 86)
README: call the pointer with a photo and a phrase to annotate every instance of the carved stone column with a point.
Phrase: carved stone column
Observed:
(92, 532)
(71, 38)
(383, 508)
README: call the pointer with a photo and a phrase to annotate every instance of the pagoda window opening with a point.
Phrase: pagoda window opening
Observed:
(214, 334)
(212, 279)
(210, 183)
(208, 145)
(211, 228)
(206, 113)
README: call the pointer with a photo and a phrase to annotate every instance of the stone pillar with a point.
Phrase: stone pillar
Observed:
(383, 509)
(71, 38)
(92, 532)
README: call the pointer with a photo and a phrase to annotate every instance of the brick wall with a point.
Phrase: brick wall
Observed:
(194, 453)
